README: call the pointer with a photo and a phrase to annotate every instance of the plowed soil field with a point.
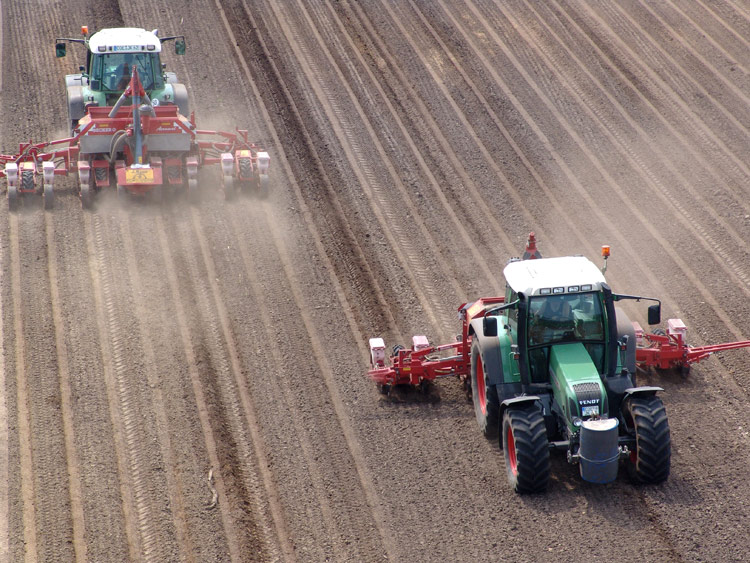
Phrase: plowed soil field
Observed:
(187, 382)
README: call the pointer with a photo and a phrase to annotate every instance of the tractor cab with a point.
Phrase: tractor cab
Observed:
(561, 304)
(113, 53)
(111, 56)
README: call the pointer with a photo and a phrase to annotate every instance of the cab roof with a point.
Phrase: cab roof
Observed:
(553, 276)
(124, 39)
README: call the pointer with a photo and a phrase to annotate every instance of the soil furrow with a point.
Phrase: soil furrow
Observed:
(66, 400)
(26, 548)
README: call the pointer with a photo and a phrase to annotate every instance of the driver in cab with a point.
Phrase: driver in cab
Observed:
(552, 321)
(123, 72)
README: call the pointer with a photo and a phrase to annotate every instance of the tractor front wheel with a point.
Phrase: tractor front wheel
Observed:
(484, 397)
(526, 449)
(650, 460)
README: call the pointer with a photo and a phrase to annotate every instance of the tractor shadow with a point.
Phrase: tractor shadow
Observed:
(567, 492)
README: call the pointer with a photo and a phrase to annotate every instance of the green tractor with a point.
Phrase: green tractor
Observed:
(549, 366)
(111, 56)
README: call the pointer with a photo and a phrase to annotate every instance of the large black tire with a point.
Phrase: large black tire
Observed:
(484, 397)
(649, 462)
(526, 450)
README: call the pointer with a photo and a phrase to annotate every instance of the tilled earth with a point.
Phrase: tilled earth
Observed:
(187, 383)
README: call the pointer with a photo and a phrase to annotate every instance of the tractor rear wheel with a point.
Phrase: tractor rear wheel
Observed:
(526, 449)
(650, 460)
(484, 397)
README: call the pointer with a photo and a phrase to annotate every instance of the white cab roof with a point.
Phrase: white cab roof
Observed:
(568, 274)
(124, 39)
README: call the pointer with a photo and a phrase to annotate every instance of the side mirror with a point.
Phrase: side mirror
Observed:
(490, 326)
(60, 49)
(179, 47)
(654, 314)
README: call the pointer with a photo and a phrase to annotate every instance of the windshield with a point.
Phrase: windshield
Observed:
(565, 318)
(115, 69)
(555, 319)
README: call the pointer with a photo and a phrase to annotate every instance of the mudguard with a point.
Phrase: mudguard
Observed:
(181, 98)
(75, 97)
(490, 346)
(645, 391)
(524, 400)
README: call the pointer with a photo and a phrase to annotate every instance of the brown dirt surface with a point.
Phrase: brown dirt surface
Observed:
(187, 383)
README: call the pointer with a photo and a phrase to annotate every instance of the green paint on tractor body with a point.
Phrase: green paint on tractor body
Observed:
(576, 383)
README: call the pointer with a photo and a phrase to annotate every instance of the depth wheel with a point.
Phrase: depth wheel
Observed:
(384, 389)
(85, 194)
(157, 194)
(526, 450)
(484, 397)
(245, 171)
(193, 195)
(12, 198)
(263, 186)
(27, 181)
(48, 196)
(228, 188)
(650, 461)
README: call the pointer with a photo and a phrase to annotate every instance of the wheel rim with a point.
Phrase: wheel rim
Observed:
(510, 448)
(481, 391)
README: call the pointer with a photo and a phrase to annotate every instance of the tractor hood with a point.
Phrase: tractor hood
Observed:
(576, 383)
